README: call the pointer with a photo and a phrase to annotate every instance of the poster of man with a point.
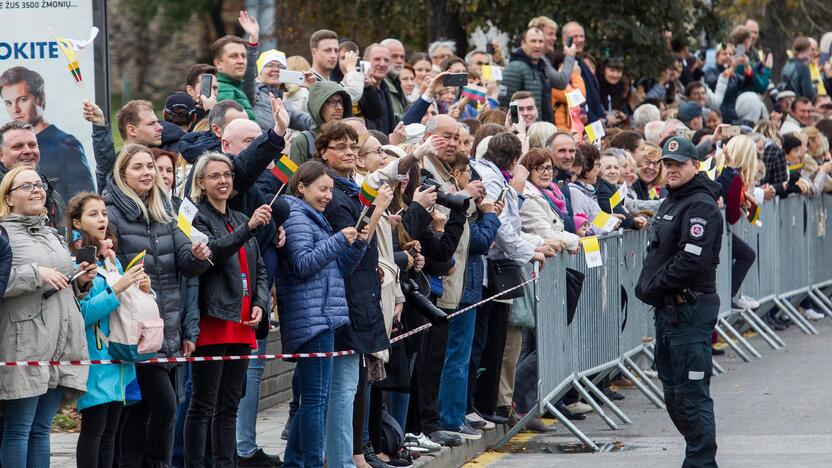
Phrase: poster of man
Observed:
(43, 83)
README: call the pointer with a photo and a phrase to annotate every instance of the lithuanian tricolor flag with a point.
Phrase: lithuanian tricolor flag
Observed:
(367, 194)
(655, 193)
(284, 168)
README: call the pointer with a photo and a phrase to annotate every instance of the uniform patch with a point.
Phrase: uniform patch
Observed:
(697, 231)
(693, 249)
(667, 217)
(701, 221)
(696, 375)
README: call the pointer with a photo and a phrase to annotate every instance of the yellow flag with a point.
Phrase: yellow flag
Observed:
(618, 196)
(605, 221)
(592, 252)
(595, 130)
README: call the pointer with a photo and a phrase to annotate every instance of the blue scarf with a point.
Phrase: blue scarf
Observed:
(349, 184)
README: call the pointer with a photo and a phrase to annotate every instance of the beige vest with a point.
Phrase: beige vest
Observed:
(455, 283)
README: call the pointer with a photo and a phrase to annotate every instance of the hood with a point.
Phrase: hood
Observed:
(195, 144)
(587, 190)
(699, 183)
(519, 54)
(319, 92)
(171, 134)
(298, 205)
(30, 222)
(750, 107)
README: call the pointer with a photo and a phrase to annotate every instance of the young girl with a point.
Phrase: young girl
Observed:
(108, 387)
(583, 227)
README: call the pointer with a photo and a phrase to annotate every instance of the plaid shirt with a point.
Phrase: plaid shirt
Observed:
(775, 160)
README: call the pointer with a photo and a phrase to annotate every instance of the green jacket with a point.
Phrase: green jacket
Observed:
(300, 150)
(398, 101)
(229, 88)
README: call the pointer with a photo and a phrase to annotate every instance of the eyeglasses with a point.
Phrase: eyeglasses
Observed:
(30, 187)
(343, 148)
(335, 103)
(377, 151)
(544, 169)
(649, 163)
(216, 176)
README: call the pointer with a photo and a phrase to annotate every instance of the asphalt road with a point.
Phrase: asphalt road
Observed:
(771, 413)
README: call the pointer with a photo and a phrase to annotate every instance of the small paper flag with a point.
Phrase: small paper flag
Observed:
(592, 252)
(138, 258)
(753, 214)
(655, 193)
(284, 168)
(618, 196)
(605, 221)
(795, 167)
(595, 130)
(707, 165)
(491, 73)
(185, 219)
(575, 98)
(367, 194)
(473, 93)
(70, 47)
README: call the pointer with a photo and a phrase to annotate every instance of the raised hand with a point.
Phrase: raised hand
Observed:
(250, 26)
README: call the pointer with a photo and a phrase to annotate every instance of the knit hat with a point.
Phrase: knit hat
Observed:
(580, 219)
(271, 55)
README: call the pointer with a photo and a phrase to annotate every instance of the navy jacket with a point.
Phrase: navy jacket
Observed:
(311, 296)
(483, 232)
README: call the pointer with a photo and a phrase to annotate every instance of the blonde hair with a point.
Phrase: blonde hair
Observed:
(6, 186)
(154, 208)
(743, 151)
(541, 22)
(813, 134)
(539, 133)
(199, 172)
(651, 149)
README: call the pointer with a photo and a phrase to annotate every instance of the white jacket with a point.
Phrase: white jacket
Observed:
(541, 222)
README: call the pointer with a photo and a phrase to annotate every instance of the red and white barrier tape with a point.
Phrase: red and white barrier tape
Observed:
(93, 362)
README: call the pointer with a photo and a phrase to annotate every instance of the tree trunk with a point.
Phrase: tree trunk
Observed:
(443, 22)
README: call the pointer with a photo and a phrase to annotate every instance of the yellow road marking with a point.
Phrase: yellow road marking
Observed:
(487, 458)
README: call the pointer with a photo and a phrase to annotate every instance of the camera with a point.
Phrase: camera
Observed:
(453, 201)
(422, 304)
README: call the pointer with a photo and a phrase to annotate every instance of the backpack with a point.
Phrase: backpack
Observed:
(136, 329)
(392, 435)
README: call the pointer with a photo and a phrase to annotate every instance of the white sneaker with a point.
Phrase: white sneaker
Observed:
(744, 302)
(476, 417)
(579, 407)
(651, 373)
(811, 314)
(420, 443)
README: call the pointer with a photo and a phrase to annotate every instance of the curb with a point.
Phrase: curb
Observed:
(453, 457)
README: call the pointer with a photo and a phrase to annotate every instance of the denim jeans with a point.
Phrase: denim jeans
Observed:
(247, 413)
(397, 403)
(306, 434)
(178, 456)
(28, 423)
(453, 386)
(339, 443)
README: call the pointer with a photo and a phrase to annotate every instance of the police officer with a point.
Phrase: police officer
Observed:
(679, 280)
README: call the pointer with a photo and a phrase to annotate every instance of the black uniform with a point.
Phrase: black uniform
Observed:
(679, 280)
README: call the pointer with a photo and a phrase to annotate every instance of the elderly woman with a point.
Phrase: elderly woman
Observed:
(582, 190)
(608, 184)
(39, 320)
(649, 171)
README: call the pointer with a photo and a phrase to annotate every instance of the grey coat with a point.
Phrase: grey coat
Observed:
(168, 255)
(34, 328)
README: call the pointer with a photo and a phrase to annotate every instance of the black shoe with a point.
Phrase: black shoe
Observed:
(260, 459)
(613, 395)
(773, 323)
(717, 352)
(402, 458)
(443, 438)
(372, 459)
(568, 414)
(495, 418)
(285, 434)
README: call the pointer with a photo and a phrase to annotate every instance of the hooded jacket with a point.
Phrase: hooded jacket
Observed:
(35, 328)
(298, 119)
(229, 88)
(195, 144)
(300, 150)
(168, 255)
(685, 240)
(311, 295)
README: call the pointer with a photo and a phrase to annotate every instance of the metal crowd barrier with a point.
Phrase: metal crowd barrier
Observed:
(611, 327)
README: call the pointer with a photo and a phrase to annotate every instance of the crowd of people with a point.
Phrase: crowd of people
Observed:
(345, 202)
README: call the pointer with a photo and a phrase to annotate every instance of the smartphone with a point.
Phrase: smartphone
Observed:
(291, 77)
(515, 114)
(489, 48)
(731, 131)
(86, 254)
(569, 41)
(205, 85)
(365, 220)
(502, 194)
(455, 79)
(740, 50)
(683, 132)
(824, 57)
(413, 252)
(363, 66)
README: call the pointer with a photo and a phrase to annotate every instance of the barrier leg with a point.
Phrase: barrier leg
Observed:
(516, 428)
(600, 394)
(740, 339)
(571, 427)
(718, 369)
(823, 297)
(594, 404)
(731, 343)
(761, 328)
(796, 317)
(819, 303)
(641, 375)
(640, 385)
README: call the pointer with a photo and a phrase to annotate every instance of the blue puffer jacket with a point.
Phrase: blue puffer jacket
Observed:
(483, 232)
(311, 297)
(106, 383)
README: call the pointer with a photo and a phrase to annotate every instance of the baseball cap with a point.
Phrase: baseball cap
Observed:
(785, 94)
(679, 149)
(271, 55)
(689, 111)
(180, 103)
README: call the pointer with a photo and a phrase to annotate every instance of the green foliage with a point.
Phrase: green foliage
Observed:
(172, 15)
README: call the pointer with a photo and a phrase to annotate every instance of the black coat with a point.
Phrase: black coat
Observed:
(365, 332)
(603, 191)
(168, 255)
(5, 265)
(221, 287)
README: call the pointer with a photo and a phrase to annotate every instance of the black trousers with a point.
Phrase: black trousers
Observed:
(217, 389)
(149, 423)
(429, 363)
(487, 353)
(743, 256)
(97, 440)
